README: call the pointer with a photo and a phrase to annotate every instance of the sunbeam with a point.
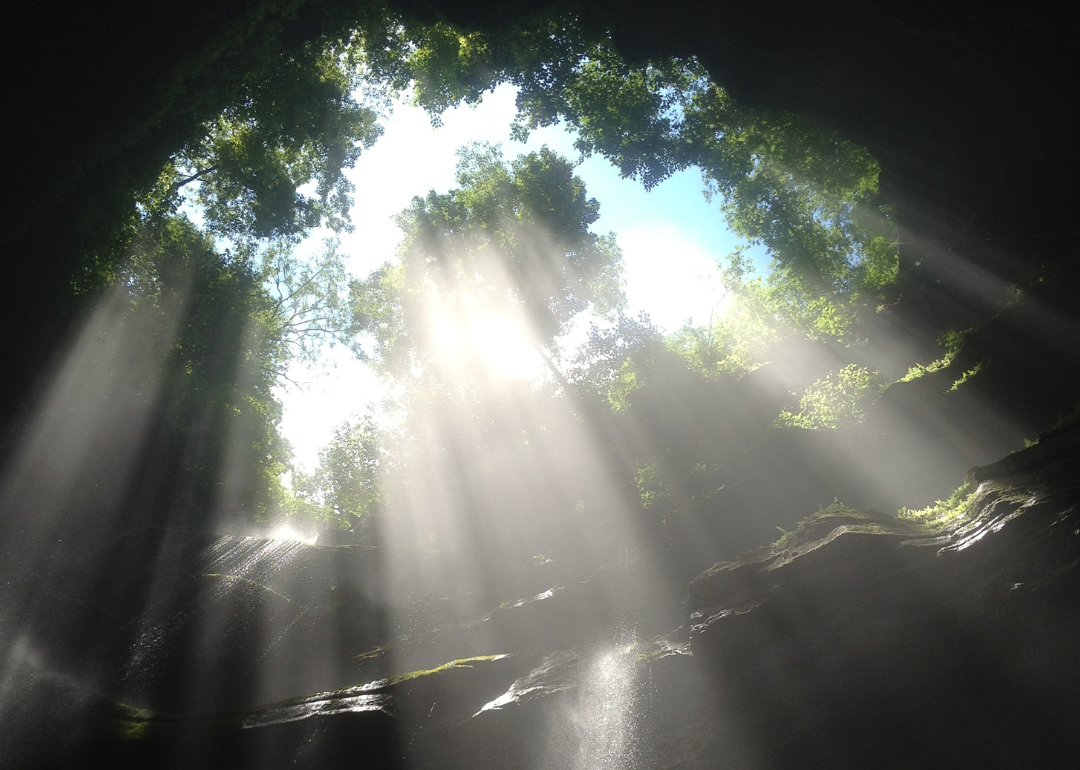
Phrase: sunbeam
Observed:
(436, 395)
(604, 712)
(467, 333)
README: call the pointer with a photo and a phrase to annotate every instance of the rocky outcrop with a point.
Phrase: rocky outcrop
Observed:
(860, 641)
(857, 640)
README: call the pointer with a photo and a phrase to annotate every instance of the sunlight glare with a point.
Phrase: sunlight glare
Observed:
(496, 341)
(286, 532)
(603, 717)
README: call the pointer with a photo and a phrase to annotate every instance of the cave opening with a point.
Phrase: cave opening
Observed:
(541, 519)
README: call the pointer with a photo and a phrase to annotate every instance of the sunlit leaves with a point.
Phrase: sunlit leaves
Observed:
(649, 484)
(808, 197)
(511, 243)
(378, 314)
(631, 114)
(309, 307)
(345, 488)
(952, 340)
(506, 260)
(944, 512)
(837, 401)
(713, 351)
(299, 125)
(604, 365)
(204, 314)
(441, 66)
(799, 190)
(617, 361)
(348, 473)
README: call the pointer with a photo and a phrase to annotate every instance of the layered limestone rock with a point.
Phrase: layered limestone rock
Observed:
(859, 640)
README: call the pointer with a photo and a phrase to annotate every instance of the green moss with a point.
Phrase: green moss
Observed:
(649, 486)
(837, 401)
(823, 525)
(943, 513)
(967, 375)
(459, 663)
(137, 724)
(952, 340)
(920, 370)
(134, 731)
(658, 649)
(1065, 422)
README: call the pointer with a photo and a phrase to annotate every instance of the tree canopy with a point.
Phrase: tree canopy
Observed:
(298, 126)
(213, 349)
(507, 260)
(510, 243)
(802, 192)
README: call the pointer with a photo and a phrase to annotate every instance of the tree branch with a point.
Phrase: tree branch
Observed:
(197, 175)
(554, 369)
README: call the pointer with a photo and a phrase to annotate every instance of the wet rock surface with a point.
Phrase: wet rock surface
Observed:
(865, 640)
(872, 648)
(857, 640)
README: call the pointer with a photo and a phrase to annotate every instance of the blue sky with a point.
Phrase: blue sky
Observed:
(671, 240)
